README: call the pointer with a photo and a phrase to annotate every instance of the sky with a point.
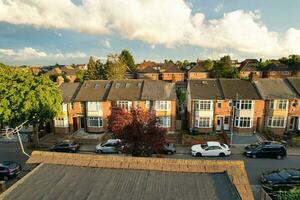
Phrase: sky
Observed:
(46, 32)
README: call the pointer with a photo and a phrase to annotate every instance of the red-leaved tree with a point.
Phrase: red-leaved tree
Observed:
(138, 130)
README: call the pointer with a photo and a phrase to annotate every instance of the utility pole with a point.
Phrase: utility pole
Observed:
(233, 118)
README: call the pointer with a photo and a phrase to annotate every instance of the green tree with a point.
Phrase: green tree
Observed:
(24, 96)
(92, 69)
(101, 70)
(128, 59)
(115, 67)
(81, 76)
(208, 64)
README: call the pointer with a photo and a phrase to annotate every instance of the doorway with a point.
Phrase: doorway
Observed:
(293, 123)
(219, 123)
(75, 123)
(81, 120)
(226, 123)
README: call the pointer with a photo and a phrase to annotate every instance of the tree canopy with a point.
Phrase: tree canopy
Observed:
(128, 59)
(208, 64)
(115, 67)
(138, 130)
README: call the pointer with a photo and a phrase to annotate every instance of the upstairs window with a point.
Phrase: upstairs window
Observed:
(204, 105)
(124, 104)
(278, 104)
(94, 106)
(244, 104)
(162, 105)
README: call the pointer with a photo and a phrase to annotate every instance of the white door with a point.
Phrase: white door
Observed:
(219, 124)
(226, 123)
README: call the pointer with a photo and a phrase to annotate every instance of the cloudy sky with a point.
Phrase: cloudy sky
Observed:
(69, 31)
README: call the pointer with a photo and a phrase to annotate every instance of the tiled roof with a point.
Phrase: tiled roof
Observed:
(93, 90)
(274, 89)
(295, 83)
(171, 68)
(276, 66)
(148, 70)
(126, 90)
(69, 91)
(238, 89)
(235, 169)
(199, 67)
(158, 90)
(146, 64)
(205, 89)
(249, 65)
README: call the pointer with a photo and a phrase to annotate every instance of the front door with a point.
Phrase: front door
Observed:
(81, 122)
(293, 123)
(75, 123)
(219, 124)
(226, 123)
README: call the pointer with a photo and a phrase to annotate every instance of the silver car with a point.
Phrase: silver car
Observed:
(110, 146)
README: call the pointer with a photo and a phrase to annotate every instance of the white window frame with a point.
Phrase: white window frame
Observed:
(244, 105)
(94, 106)
(280, 104)
(164, 122)
(242, 122)
(276, 122)
(162, 105)
(99, 121)
(61, 122)
(203, 122)
(64, 107)
(204, 105)
(124, 104)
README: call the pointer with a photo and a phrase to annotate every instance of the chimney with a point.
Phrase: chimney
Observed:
(60, 80)
(2, 186)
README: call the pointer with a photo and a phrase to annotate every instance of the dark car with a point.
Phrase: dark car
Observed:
(65, 146)
(168, 148)
(281, 178)
(254, 145)
(9, 169)
(266, 151)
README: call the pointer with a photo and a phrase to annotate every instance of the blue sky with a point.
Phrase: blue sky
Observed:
(65, 31)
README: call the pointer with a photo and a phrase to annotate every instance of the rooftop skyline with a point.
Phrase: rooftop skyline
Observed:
(65, 31)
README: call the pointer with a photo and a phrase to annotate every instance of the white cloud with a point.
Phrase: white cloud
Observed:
(29, 53)
(218, 8)
(168, 22)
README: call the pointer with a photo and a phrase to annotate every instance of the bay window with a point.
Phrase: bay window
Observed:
(203, 122)
(243, 122)
(95, 121)
(276, 122)
(164, 122)
(61, 122)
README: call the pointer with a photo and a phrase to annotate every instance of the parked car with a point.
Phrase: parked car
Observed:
(281, 178)
(110, 146)
(266, 151)
(9, 169)
(254, 145)
(168, 149)
(3, 132)
(66, 146)
(210, 149)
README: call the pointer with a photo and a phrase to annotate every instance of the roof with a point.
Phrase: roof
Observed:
(205, 89)
(70, 72)
(295, 83)
(69, 91)
(238, 89)
(93, 90)
(99, 177)
(199, 67)
(126, 90)
(274, 89)
(171, 68)
(248, 65)
(158, 90)
(146, 64)
(276, 66)
(148, 70)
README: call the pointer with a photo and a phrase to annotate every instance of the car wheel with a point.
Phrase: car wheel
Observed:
(5, 178)
(222, 154)
(99, 151)
(279, 157)
(198, 154)
(169, 152)
(253, 156)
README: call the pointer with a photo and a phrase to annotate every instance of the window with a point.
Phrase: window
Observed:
(244, 105)
(64, 107)
(164, 122)
(203, 122)
(94, 106)
(72, 105)
(278, 104)
(162, 105)
(204, 105)
(81, 105)
(61, 122)
(95, 121)
(124, 104)
(148, 104)
(243, 122)
(276, 122)
(219, 104)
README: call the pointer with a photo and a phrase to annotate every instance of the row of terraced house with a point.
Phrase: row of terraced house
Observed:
(241, 106)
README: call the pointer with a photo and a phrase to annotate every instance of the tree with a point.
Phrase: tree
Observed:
(115, 67)
(208, 64)
(92, 69)
(138, 130)
(81, 75)
(101, 70)
(128, 59)
(24, 96)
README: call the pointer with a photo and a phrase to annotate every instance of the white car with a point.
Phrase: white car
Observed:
(110, 146)
(210, 149)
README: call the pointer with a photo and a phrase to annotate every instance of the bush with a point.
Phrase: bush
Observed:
(270, 135)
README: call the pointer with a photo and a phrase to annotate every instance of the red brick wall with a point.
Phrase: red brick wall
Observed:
(173, 76)
(197, 75)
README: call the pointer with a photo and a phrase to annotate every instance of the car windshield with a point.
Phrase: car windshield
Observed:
(223, 145)
(203, 146)
(284, 174)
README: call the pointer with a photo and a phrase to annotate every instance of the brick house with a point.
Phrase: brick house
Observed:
(276, 70)
(92, 97)
(170, 72)
(248, 69)
(294, 108)
(247, 105)
(278, 95)
(148, 73)
(198, 72)
(63, 123)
